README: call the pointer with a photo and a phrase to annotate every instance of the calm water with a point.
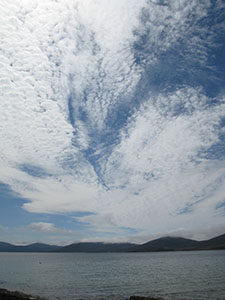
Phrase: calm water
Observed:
(172, 275)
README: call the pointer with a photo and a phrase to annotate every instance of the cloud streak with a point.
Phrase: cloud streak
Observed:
(48, 228)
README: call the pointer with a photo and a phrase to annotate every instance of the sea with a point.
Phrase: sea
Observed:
(188, 275)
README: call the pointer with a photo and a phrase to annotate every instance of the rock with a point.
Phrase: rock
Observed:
(7, 295)
(143, 298)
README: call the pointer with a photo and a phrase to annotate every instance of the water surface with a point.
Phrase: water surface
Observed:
(195, 275)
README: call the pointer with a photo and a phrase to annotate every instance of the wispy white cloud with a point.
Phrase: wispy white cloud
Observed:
(48, 228)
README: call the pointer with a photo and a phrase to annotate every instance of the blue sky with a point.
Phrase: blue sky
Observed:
(112, 120)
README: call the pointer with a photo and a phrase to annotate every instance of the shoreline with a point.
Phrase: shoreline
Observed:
(16, 295)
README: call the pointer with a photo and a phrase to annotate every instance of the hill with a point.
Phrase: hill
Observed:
(37, 247)
(212, 244)
(180, 244)
(161, 244)
(98, 247)
(166, 244)
(6, 247)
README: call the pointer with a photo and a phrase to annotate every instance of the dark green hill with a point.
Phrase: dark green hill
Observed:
(6, 247)
(97, 247)
(37, 247)
(166, 244)
(212, 244)
(179, 244)
(161, 244)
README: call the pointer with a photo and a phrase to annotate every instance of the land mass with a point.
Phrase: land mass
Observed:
(9, 295)
(162, 244)
(37, 247)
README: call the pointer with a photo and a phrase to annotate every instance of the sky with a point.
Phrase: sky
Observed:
(112, 120)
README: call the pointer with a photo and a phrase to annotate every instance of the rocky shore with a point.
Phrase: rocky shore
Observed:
(143, 298)
(8, 295)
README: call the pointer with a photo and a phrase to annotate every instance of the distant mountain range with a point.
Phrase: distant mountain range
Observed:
(98, 247)
(37, 247)
(161, 244)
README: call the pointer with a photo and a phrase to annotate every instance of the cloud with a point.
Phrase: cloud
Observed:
(48, 228)
(115, 109)
(102, 223)
(2, 228)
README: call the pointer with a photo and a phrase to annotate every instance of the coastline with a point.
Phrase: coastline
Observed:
(16, 295)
